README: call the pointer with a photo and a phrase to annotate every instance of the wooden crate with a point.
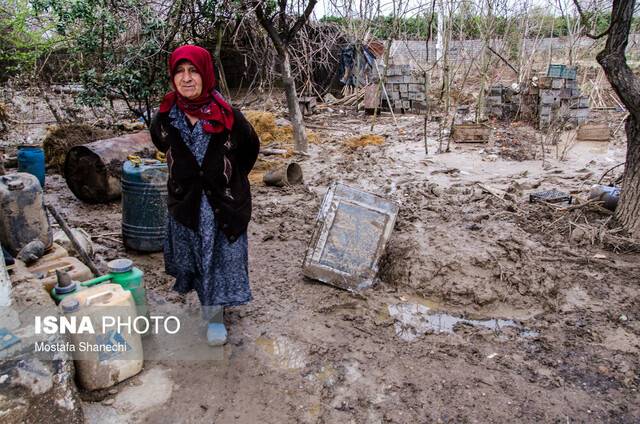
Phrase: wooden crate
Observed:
(593, 132)
(471, 133)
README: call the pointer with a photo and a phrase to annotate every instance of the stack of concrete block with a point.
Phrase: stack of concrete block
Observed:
(405, 90)
(559, 97)
(501, 102)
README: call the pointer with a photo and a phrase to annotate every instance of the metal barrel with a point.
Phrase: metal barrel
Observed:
(93, 170)
(144, 204)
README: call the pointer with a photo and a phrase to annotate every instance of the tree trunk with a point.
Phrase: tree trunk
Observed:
(627, 86)
(628, 210)
(295, 115)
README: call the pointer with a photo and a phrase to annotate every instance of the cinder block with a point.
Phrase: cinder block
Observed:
(393, 95)
(393, 70)
(544, 110)
(403, 88)
(557, 83)
(494, 100)
(407, 79)
(495, 90)
(568, 83)
(420, 97)
(406, 104)
(395, 79)
(545, 82)
(549, 97)
(418, 88)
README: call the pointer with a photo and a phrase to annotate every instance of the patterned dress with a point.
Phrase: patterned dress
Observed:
(205, 260)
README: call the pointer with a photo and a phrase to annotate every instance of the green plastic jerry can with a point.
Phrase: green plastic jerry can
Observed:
(122, 272)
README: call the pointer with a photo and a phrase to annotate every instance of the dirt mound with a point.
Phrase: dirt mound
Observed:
(61, 138)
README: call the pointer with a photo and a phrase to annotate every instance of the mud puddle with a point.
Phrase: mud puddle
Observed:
(413, 320)
(282, 352)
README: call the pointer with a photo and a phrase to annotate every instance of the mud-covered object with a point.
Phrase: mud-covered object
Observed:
(205, 260)
(39, 391)
(33, 251)
(23, 218)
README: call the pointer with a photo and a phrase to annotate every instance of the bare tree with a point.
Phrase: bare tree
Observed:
(282, 31)
(627, 86)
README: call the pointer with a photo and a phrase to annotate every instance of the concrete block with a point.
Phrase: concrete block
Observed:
(407, 79)
(417, 88)
(549, 97)
(557, 83)
(494, 100)
(545, 82)
(395, 79)
(406, 104)
(403, 88)
(579, 113)
(565, 93)
(568, 83)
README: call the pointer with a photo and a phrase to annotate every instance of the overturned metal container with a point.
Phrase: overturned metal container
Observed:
(93, 170)
(350, 235)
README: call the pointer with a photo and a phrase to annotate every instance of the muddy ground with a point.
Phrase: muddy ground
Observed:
(488, 308)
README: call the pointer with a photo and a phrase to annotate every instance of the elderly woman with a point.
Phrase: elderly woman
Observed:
(210, 149)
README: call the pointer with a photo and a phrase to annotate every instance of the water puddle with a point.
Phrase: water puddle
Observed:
(283, 353)
(413, 320)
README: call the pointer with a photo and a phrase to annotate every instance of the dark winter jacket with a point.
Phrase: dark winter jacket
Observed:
(223, 175)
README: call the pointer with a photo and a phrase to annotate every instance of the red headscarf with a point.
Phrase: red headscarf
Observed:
(210, 106)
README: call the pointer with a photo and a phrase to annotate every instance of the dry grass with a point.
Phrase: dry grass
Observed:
(364, 140)
(61, 138)
(265, 125)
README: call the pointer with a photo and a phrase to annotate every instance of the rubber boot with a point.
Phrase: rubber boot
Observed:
(216, 331)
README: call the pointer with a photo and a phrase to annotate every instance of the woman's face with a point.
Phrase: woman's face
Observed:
(187, 80)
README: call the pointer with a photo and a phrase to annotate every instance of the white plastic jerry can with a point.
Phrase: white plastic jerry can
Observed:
(106, 351)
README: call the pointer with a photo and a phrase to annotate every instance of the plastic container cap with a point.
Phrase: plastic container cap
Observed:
(118, 266)
(69, 304)
(15, 185)
(69, 288)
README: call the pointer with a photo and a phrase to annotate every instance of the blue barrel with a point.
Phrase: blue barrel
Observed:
(31, 160)
(144, 204)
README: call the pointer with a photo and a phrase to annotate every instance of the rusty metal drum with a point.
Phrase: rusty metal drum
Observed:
(93, 170)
